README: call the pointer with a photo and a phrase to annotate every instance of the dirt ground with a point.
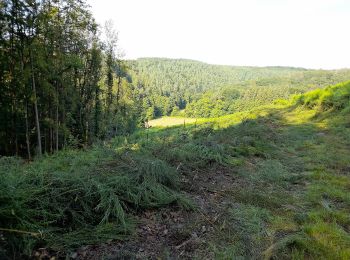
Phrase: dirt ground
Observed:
(173, 233)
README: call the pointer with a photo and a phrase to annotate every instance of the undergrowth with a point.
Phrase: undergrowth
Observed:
(79, 197)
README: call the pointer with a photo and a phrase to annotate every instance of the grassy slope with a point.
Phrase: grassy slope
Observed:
(273, 182)
(167, 121)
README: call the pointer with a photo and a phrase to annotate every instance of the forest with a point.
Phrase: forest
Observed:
(203, 90)
(60, 84)
(103, 157)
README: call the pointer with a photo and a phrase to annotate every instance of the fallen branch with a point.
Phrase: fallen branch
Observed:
(183, 244)
(35, 234)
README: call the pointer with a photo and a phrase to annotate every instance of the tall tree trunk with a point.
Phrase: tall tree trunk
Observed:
(27, 132)
(50, 128)
(86, 132)
(118, 90)
(37, 123)
(26, 104)
(57, 123)
(97, 108)
(16, 136)
(50, 139)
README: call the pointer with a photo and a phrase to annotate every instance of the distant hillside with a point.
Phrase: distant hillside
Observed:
(181, 74)
(213, 90)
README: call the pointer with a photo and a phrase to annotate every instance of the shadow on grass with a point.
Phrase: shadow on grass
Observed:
(290, 201)
(289, 198)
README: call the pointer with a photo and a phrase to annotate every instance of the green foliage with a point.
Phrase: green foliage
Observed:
(59, 81)
(176, 111)
(333, 97)
(292, 202)
(205, 90)
(77, 197)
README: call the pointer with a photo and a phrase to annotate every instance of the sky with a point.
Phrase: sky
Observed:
(299, 33)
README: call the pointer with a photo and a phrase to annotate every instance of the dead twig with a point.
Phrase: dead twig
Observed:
(20, 231)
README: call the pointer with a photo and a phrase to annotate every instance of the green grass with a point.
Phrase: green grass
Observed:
(167, 121)
(80, 197)
(296, 167)
(290, 161)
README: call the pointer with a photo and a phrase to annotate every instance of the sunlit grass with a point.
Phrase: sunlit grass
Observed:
(171, 121)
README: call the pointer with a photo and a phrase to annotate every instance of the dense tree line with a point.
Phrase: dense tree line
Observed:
(198, 89)
(254, 93)
(171, 84)
(60, 84)
(229, 100)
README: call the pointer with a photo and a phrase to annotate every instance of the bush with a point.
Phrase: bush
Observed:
(335, 97)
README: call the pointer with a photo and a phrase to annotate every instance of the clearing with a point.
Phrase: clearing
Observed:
(167, 121)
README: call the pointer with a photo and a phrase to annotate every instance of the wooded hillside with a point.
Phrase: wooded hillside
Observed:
(206, 90)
